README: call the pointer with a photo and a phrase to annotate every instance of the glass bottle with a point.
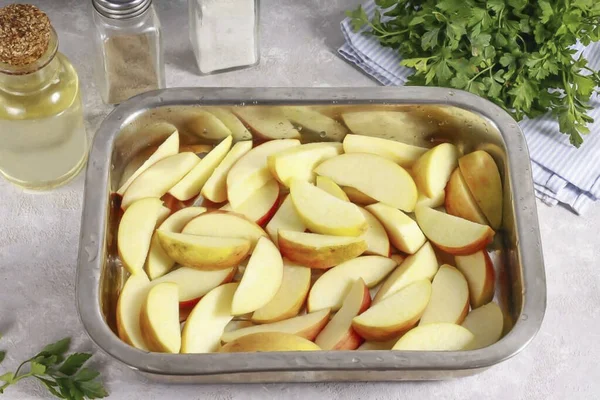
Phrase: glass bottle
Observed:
(43, 143)
(129, 50)
(224, 34)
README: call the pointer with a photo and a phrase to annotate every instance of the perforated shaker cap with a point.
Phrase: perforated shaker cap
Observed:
(121, 9)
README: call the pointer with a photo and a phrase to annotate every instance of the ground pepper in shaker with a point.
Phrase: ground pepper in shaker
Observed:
(129, 51)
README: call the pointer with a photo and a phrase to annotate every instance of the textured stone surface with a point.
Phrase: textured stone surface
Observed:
(39, 237)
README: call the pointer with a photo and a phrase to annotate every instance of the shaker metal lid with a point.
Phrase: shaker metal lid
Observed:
(121, 9)
(24, 34)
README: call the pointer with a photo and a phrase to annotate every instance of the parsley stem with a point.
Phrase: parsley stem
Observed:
(482, 72)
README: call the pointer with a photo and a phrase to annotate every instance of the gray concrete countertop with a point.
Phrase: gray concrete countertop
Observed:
(39, 235)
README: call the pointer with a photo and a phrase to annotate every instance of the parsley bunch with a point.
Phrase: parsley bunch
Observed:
(517, 53)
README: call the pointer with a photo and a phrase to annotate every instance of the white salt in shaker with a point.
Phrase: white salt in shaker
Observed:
(224, 34)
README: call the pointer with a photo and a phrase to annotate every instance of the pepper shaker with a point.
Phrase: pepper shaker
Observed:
(129, 49)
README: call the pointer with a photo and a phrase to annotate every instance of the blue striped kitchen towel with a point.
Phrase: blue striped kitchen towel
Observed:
(561, 173)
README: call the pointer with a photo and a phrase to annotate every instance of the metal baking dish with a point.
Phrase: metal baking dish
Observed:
(437, 115)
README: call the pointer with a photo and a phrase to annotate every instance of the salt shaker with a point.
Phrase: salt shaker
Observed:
(129, 49)
(224, 34)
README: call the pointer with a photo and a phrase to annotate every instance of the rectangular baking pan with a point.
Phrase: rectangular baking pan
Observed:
(438, 115)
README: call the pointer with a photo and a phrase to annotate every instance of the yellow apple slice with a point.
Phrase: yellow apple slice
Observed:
(135, 233)
(402, 154)
(373, 175)
(386, 345)
(286, 218)
(478, 269)
(267, 122)
(261, 205)
(338, 333)
(158, 262)
(432, 170)
(159, 319)
(206, 125)
(452, 234)
(394, 315)
(315, 122)
(358, 197)
(421, 265)
(289, 298)
(386, 124)
(298, 162)
(194, 181)
(225, 224)
(168, 148)
(331, 187)
(269, 341)
(215, 188)
(251, 172)
(319, 251)
(486, 323)
(483, 179)
(449, 297)
(206, 253)
(129, 307)
(237, 128)
(159, 178)
(442, 336)
(378, 242)
(332, 287)
(306, 326)
(431, 202)
(460, 202)
(404, 233)
(324, 213)
(206, 323)
(261, 280)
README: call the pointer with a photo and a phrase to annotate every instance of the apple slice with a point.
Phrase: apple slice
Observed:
(261, 205)
(286, 218)
(431, 202)
(269, 341)
(158, 262)
(375, 176)
(289, 298)
(386, 345)
(478, 269)
(251, 172)
(168, 148)
(398, 258)
(306, 326)
(215, 188)
(298, 162)
(402, 154)
(404, 233)
(338, 333)
(225, 224)
(135, 233)
(261, 280)
(358, 197)
(129, 307)
(483, 179)
(319, 251)
(486, 323)
(432, 170)
(421, 265)
(159, 319)
(198, 149)
(267, 122)
(206, 253)
(436, 337)
(206, 323)
(205, 125)
(387, 124)
(331, 187)
(194, 181)
(332, 287)
(378, 242)
(237, 128)
(452, 234)
(394, 315)
(449, 297)
(159, 178)
(324, 213)
(315, 122)
(459, 202)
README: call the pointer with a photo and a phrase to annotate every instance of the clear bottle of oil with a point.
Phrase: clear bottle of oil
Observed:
(43, 143)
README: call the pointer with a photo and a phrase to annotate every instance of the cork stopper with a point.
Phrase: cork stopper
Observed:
(24, 34)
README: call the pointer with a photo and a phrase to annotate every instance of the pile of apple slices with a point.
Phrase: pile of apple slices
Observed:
(293, 239)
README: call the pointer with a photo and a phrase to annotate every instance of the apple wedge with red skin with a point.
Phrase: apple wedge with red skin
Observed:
(261, 205)
(478, 269)
(159, 319)
(486, 323)
(433, 169)
(460, 202)
(442, 336)
(449, 297)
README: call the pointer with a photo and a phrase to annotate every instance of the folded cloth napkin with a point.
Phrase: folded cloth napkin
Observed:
(561, 173)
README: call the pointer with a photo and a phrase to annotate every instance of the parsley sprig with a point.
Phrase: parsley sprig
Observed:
(517, 53)
(62, 375)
